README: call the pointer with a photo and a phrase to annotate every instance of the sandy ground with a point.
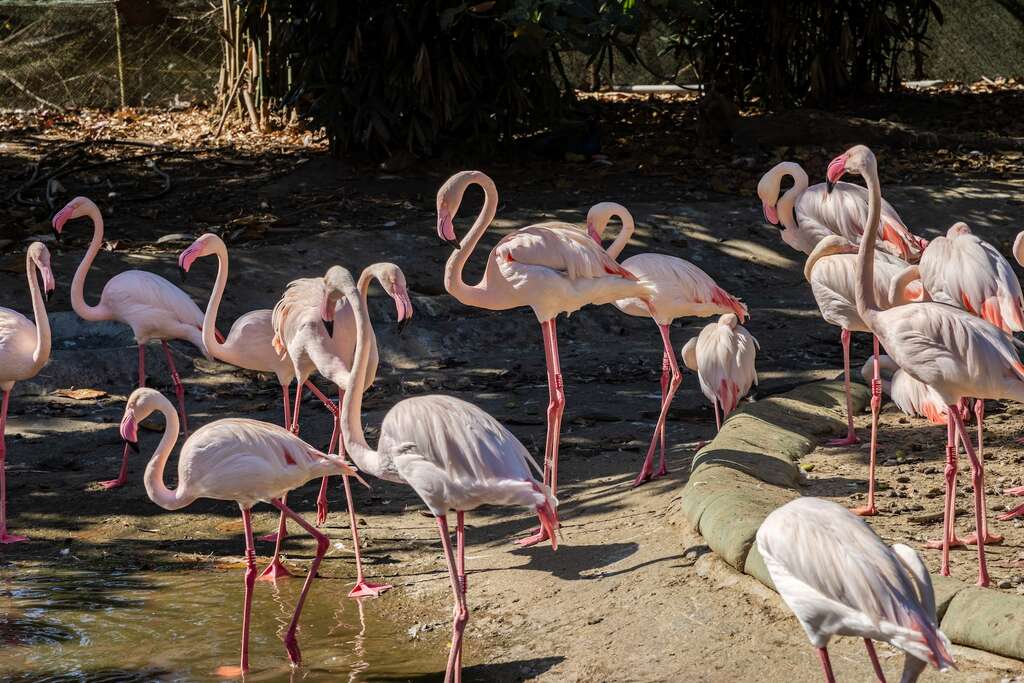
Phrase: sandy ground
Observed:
(631, 595)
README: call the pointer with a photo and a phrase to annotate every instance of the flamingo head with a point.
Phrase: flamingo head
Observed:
(392, 279)
(768, 192)
(338, 284)
(592, 231)
(76, 208)
(449, 199)
(689, 354)
(857, 160)
(140, 405)
(204, 246)
(958, 229)
(40, 257)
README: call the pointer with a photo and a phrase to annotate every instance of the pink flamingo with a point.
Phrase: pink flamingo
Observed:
(841, 580)
(910, 396)
(454, 455)
(723, 356)
(246, 461)
(956, 354)
(552, 268)
(248, 345)
(24, 350)
(329, 348)
(808, 215)
(148, 303)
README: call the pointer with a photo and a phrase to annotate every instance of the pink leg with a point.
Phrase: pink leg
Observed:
(460, 556)
(826, 665)
(556, 406)
(949, 538)
(5, 537)
(851, 435)
(250, 581)
(142, 366)
(287, 407)
(666, 367)
(179, 389)
(718, 417)
(276, 569)
(677, 378)
(978, 482)
(295, 409)
(290, 643)
(876, 404)
(363, 588)
(122, 475)
(873, 656)
(321, 499)
(990, 539)
(453, 672)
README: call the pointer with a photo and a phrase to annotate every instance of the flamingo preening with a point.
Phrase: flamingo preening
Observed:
(723, 357)
(953, 352)
(841, 580)
(453, 454)
(552, 268)
(149, 304)
(24, 350)
(241, 460)
(677, 289)
(806, 215)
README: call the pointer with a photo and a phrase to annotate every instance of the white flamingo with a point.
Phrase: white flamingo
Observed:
(723, 356)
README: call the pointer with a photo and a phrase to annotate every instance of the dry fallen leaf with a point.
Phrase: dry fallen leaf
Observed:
(81, 394)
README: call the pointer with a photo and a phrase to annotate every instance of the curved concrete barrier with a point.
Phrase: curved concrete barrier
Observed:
(751, 468)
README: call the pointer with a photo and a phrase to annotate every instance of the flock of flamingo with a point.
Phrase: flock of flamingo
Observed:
(944, 312)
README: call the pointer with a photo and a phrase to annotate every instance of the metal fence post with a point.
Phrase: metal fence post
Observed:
(120, 55)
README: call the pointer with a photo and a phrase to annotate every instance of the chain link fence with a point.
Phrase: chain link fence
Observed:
(98, 53)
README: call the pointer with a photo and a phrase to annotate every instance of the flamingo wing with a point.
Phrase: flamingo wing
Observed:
(136, 296)
(566, 250)
(681, 288)
(725, 361)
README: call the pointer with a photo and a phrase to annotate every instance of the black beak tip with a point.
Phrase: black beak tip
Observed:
(56, 234)
(183, 273)
(134, 445)
(402, 325)
(829, 186)
(46, 295)
(451, 243)
(329, 324)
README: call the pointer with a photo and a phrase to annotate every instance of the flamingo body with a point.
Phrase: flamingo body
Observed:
(723, 356)
(677, 289)
(910, 396)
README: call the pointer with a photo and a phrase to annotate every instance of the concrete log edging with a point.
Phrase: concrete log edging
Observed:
(751, 468)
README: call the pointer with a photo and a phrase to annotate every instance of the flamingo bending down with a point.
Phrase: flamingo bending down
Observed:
(552, 268)
(678, 289)
(24, 350)
(723, 356)
(454, 455)
(146, 302)
(248, 345)
(956, 354)
(246, 461)
(807, 215)
(840, 579)
(324, 341)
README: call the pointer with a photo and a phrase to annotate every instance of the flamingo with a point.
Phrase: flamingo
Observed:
(680, 289)
(910, 396)
(248, 345)
(723, 356)
(24, 350)
(807, 215)
(329, 348)
(840, 579)
(146, 302)
(453, 455)
(955, 353)
(246, 461)
(552, 268)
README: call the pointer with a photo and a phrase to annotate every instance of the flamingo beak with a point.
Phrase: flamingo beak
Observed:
(59, 219)
(130, 430)
(403, 307)
(836, 169)
(446, 229)
(186, 259)
(770, 213)
(48, 283)
(327, 314)
(593, 233)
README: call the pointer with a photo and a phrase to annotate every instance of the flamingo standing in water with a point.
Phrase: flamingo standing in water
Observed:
(723, 356)
(312, 344)
(24, 350)
(552, 268)
(248, 345)
(245, 461)
(454, 455)
(807, 215)
(955, 353)
(679, 289)
(840, 579)
(148, 303)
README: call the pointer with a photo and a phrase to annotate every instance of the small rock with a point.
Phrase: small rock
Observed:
(1005, 583)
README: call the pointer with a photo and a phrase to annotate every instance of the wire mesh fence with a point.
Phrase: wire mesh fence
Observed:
(98, 53)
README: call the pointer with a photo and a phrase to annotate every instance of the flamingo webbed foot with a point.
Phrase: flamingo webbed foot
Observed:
(365, 589)
(113, 483)
(6, 538)
(539, 537)
(990, 538)
(229, 672)
(936, 544)
(274, 571)
(848, 440)
(865, 511)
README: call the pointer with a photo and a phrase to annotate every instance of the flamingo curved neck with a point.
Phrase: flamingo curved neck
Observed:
(154, 477)
(84, 310)
(625, 232)
(787, 203)
(471, 295)
(365, 458)
(867, 305)
(41, 354)
(215, 348)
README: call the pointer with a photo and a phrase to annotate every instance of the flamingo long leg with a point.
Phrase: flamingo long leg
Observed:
(453, 672)
(979, 414)
(460, 556)
(666, 368)
(851, 434)
(978, 482)
(363, 588)
(290, 642)
(873, 656)
(718, 416)
(122, 475)
(949, 538)
(287, 407)
(250, 582)
(321, 499)
(179, 388)
(5, 537)
(677, 377)
(876, 405)
(826, 665)
(276, 569)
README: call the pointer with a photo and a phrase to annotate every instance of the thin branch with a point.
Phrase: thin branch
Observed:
(17, 84)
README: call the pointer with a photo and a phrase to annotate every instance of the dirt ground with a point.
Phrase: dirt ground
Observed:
(630, 595)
